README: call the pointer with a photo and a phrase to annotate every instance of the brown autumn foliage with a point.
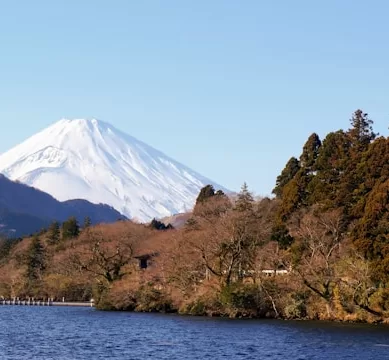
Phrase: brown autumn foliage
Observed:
(319, 250)
(223, 262)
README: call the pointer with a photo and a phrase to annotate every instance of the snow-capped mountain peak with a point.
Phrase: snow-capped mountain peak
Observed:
(90, 159)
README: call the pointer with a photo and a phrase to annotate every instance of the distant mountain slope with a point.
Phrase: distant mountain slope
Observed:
(24, 210)
(92, 160)
(14, 225)
(177, 221)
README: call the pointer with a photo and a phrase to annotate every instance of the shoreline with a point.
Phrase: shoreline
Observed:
(384, 322)
(46, 303)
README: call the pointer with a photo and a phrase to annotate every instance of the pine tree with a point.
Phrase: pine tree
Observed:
(360, 135)
(281, 235)
(245, 199)
(159, 225)
(373, 168)
(371, 231)
(310, 153)
(331, 165)
(35, 260)
(361, 131)
(70, 228)
(53, 233)
(205, 193)
(87, 222)
(209, 202)
(292, 195)
(288, 173)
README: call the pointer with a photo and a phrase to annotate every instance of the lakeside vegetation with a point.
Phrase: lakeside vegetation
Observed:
(318, 250)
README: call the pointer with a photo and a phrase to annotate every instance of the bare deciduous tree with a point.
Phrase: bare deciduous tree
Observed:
(228, 246)
(107, 253)
(317, 250)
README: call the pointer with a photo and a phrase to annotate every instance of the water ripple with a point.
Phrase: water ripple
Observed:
(84, 333)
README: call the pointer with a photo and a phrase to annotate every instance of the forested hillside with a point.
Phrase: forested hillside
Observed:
(25, 210)
(318, 250)
(348, 174)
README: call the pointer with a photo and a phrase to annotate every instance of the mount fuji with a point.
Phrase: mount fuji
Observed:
(92, 160)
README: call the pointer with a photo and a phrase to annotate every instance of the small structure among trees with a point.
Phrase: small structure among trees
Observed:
(144, 259)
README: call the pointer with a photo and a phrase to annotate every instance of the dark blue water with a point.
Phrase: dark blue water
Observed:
(84, 333)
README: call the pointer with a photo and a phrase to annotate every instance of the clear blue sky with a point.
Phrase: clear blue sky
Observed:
(230, 88)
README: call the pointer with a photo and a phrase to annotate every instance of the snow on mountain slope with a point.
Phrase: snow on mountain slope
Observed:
(92, 160)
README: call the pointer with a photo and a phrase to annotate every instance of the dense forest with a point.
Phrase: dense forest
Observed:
(318, 249)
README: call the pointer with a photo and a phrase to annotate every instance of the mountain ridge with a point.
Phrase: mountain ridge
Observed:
(24, 209)
(93, 160)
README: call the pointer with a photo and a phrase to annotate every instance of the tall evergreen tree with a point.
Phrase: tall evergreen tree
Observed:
(310, 153)
(360, 135)
(35, 260)
(281, 235)
(87, 222)
(206, 192)
(287, 174)
(361, 131)
(70, 228)
(307, 170)
(292, 195)
(372, 169)
(245, 199)
(331, 165)
(210, 201)
(54, 232)
(371, 231)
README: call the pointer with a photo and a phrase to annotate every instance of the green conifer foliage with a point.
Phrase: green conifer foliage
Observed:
(87, 222)
(159, 225)
(53, 233)
(291, 199)
(281, 235)
(371, 233)
(360, 137)
(210, 202)
(372, 169)
(287, 174)
(35, 260)
(310, 153)
(361, 132)
(330, 165)
(70, 228)
(220, 193)
(205, 193)
(245, 199)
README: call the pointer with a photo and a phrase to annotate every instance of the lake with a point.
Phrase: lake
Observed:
(84, 333)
